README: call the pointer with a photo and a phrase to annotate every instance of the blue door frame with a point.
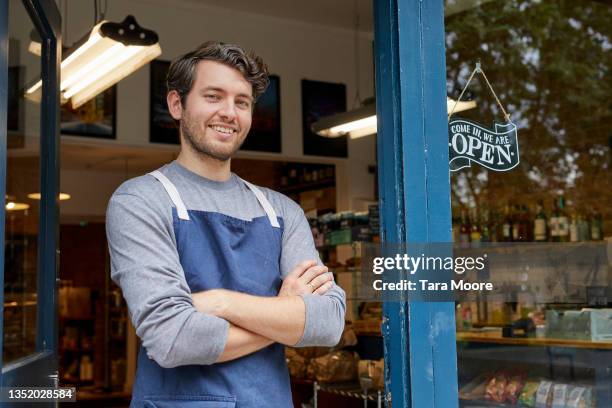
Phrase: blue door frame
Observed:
(414, 180)
(39, 368)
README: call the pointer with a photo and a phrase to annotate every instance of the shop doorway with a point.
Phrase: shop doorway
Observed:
(28, 180)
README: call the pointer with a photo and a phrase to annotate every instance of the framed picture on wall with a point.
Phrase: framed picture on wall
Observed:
(95, 118)
(265, 133)
(320, 99)
(162, 128)
(14, 115)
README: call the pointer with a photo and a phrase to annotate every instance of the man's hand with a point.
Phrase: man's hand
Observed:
(307, 277)
(213, 301)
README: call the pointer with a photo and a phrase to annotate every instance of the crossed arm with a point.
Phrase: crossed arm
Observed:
(255, 321)
(178, 327)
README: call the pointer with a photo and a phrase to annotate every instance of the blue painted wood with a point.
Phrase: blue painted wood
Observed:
(395, 323)
(3, 140)
(415, 191)
(46, 19)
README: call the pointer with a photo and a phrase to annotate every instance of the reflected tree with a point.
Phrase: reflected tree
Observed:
(550, 64)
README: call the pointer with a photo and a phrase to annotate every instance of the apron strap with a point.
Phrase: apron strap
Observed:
(173, 193)
(264, 203)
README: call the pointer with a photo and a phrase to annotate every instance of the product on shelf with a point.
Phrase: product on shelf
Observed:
(528, 394)
(337, 366)
(373, 369)
(505, 387)
(519, 222)
(512, 389)
(296, 363)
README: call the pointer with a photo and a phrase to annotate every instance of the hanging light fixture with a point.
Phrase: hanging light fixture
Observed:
(109, 53)
(362, 121)
(62, 196)
(13, 206)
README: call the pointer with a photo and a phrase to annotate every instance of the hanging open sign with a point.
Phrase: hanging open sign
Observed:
(496, 149)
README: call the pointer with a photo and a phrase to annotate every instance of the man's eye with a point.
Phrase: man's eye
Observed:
(212, 97)
(243, 104)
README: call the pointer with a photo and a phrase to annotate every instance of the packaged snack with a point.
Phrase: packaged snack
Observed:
(513, 388)
(528, 394)
(543, 395)
(580, 397)
(334, 367)
(374, 369)
(475, 389)
(559, 395)
(496, 387)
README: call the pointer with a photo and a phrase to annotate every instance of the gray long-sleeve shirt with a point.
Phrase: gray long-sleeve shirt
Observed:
(145, 264)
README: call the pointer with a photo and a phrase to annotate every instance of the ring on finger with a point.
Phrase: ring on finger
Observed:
(311, 286)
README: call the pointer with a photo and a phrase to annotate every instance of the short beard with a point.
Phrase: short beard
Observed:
(201, 147)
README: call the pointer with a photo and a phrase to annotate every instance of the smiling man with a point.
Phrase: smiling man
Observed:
(218, 274)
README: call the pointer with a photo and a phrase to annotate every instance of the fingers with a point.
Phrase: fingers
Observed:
(324, 288)
(313, 272)
(301, 268)
(321, 280)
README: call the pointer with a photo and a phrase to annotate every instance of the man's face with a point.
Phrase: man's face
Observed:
(218, 110)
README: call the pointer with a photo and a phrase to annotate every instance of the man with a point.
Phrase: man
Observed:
(218, 274)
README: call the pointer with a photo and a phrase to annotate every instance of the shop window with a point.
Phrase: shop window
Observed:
(22, 179)
(549, 64)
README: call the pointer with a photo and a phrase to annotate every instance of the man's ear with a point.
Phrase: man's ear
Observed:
(174, 104)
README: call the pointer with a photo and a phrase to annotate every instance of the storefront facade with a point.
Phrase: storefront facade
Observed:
(423, 51)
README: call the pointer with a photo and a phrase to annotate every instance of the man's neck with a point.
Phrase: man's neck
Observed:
(206, 167)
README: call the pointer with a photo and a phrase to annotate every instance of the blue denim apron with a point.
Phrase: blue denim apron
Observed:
(218, 251)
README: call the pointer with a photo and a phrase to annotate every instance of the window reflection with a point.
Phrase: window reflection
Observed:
(23, 178)
(550, 64)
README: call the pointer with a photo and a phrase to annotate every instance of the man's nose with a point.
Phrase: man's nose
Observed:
(228, 110)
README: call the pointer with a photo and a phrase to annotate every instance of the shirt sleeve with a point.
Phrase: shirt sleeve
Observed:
(324, 313)
(145, 264)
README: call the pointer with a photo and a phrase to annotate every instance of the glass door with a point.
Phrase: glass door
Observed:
(543, 336)
(29, 50)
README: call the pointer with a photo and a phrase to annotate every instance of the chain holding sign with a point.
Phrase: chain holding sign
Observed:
(496, 149)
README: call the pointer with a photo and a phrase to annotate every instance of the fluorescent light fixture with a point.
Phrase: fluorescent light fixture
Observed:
(362, 121)
(355, 123)
(62, 196)
(13, 206)
(461, 105)
(109, 53)
(35, 48)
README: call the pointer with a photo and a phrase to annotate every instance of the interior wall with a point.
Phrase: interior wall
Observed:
(293, 50)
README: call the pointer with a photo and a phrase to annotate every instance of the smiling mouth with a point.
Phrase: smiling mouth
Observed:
(223, 130)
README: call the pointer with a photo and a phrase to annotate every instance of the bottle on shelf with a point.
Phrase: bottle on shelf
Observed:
(86, 369)
(559, 225)
(495, 226)
(596, 227)
(526, 230)
(520, 225)
(540, 225)
(507, 225)
(584, 233)
(465, 228)
(485, 228)
(475, 231)
(573, 229)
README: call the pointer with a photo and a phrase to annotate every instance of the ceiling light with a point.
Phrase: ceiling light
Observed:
(355, 123)
(13, 206)
(362, 121)
(62, 196)
(109, 53)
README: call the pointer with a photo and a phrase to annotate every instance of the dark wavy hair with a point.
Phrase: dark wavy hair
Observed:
(182, 70)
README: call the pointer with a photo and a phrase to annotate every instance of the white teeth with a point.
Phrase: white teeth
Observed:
(223, 129)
